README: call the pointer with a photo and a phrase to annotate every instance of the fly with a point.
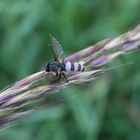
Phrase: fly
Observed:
(58, 65)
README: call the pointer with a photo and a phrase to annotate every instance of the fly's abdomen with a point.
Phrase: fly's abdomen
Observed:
(76, 66)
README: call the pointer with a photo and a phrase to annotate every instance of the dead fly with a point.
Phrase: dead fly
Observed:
(58, 65)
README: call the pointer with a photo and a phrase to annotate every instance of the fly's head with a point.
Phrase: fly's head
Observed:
(46, 67)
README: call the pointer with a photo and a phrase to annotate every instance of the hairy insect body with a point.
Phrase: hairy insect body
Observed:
(54, 66)
(59, 66)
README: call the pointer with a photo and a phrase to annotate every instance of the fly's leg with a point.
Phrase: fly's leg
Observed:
(56, 74)
(64, 76)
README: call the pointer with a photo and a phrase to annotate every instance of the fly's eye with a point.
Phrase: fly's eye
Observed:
(46, 67)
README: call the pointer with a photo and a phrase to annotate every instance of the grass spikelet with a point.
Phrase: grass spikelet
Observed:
(15, 101)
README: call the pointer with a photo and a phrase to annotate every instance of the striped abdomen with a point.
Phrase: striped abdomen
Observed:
(75, 66)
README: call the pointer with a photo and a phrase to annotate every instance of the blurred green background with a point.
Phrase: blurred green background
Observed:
(105, 109)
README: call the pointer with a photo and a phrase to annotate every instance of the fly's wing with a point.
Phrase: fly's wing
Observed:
(56, 49)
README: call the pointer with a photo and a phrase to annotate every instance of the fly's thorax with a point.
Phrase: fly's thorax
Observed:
(52, 66)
